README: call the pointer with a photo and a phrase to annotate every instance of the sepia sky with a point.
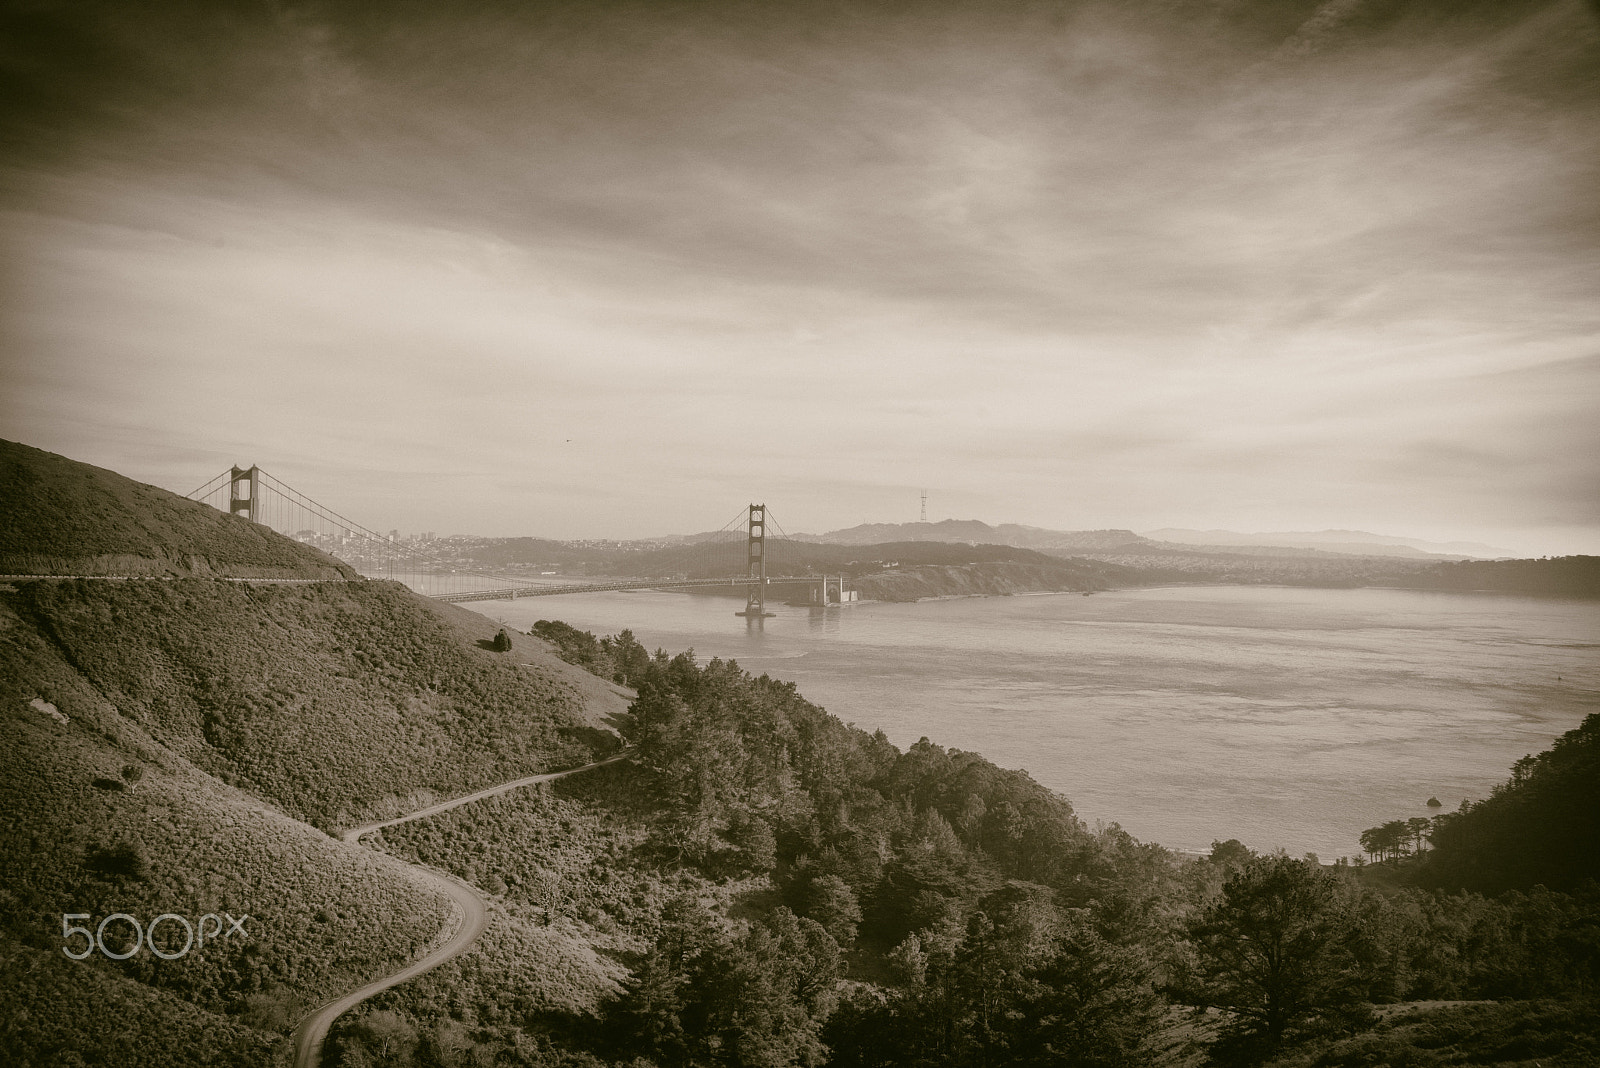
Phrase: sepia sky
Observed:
(615, 269)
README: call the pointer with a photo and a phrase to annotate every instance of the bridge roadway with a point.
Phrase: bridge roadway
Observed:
(555, 589)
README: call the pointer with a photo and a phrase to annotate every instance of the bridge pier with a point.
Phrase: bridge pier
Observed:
(829, 589)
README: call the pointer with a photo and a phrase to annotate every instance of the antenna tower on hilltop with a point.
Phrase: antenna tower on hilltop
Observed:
(924, 506)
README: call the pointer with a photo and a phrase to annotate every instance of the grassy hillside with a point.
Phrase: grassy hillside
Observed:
(169, 744)
(100, 818)
(60, 517)
(337, 702)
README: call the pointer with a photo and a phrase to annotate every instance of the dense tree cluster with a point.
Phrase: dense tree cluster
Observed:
(619, 658)
(1397, 838)
(1020, 981)
(704, 994)
(993, 912)
(996, 928)
(1278, 949)
(1539, 827)
(916, 865)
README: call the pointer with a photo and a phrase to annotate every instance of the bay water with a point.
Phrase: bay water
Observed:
(1285, 717)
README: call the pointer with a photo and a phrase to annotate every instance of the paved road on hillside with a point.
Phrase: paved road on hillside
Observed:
(174, 578)
(309, 1036)
(355, 834)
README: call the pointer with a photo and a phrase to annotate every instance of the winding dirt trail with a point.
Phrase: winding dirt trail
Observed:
(313, 1030)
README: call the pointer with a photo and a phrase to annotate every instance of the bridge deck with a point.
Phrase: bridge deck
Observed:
(556, 589)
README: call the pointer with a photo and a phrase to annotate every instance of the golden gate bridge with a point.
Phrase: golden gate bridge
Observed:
(742, 553)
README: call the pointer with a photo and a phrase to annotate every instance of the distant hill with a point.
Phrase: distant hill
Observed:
(976, 532)
(1351, 542)
(850, 559)
(1167, 540)
(529, 552)
(1557, 576)
(61, 517)
(1012, 558)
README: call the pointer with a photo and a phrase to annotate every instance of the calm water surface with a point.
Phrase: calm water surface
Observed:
(1281, 717)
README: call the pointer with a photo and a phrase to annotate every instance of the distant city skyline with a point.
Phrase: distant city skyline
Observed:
(613, 270)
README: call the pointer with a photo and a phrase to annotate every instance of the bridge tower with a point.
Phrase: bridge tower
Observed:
(249, 502)
(755, 606)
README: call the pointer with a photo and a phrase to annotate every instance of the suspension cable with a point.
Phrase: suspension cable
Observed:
(215, 483)
(401, 549)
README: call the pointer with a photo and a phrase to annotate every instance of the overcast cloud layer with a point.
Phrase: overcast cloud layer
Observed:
(616, 269)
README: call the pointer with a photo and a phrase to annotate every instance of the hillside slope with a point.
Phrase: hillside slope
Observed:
(977, 532)
(101, 818)
(337, 702)
(61, 517)
(169, 743)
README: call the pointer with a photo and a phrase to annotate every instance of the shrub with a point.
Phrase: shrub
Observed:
(121, 861)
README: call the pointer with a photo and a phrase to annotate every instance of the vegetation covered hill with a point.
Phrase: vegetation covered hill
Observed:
(1558, 576)
(1251, 567)
(338, 702)
(99, 818)
(61, 517)
(1539, 828)
(977, 532)
(171, 743)
(781, 889)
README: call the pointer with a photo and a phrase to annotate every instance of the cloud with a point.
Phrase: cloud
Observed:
(1090, 259)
